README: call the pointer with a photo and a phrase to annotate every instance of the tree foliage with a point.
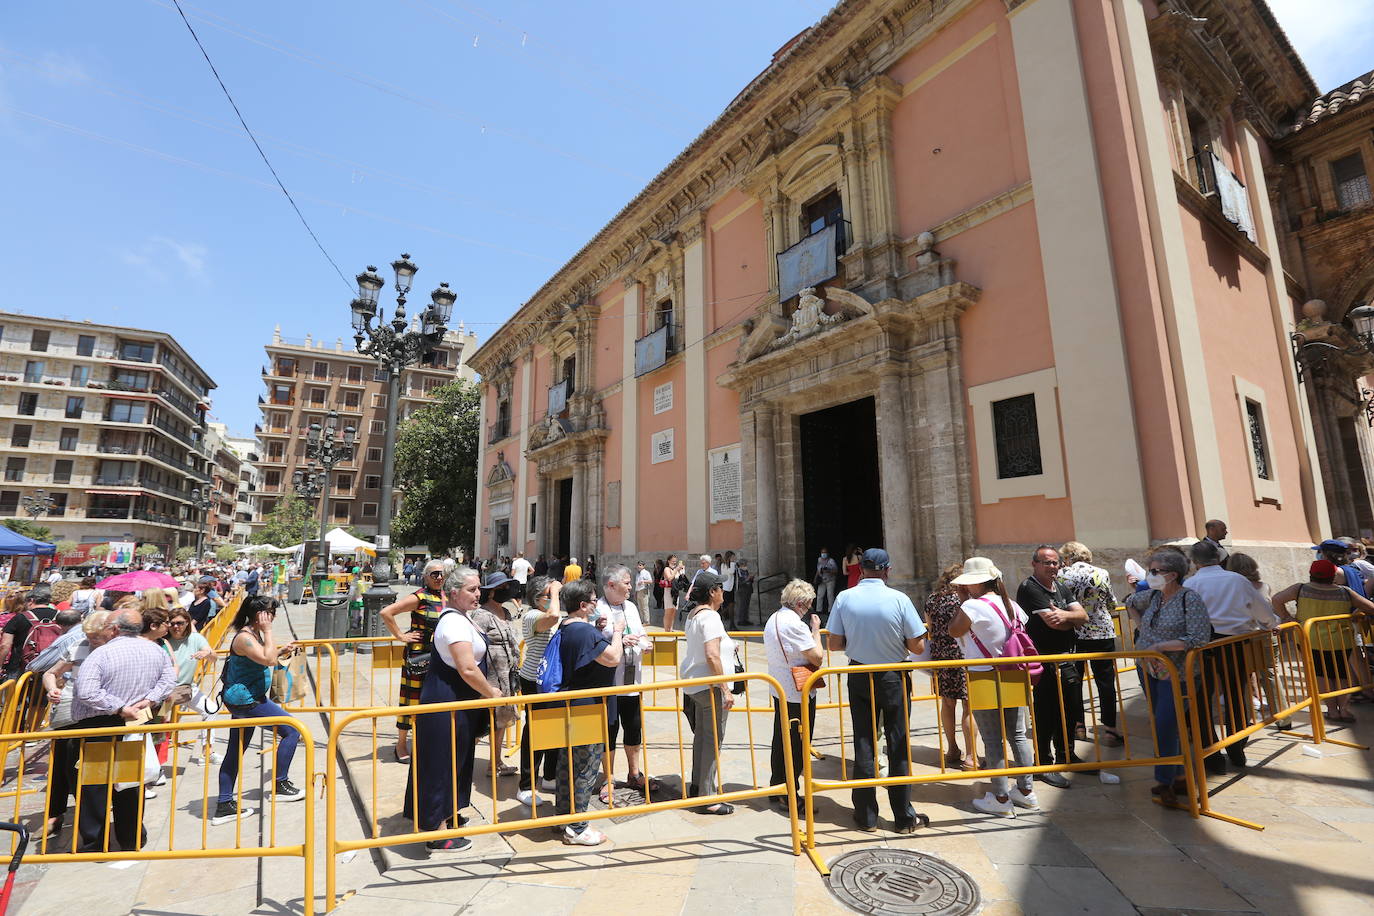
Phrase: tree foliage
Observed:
(65, 547)
(436, 469)
(226, 553)
(185, 553)
(147, 550)
(28, 528)
(286, 523)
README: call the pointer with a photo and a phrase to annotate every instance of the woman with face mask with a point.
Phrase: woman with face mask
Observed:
(1172, 620)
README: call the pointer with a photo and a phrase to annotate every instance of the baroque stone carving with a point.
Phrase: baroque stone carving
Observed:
(501, 471)
(809, 318)
(548, 431)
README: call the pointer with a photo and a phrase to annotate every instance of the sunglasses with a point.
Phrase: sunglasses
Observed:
(1158, 572)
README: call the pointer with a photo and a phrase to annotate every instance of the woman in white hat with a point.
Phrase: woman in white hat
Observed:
(982, 627)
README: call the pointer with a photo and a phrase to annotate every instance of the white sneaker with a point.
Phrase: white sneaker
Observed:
(588, 837)
(149, 793)
(1108, 778)
(1025, 800)
(989, 804)
(526, 798)
(216, 758)
(161, 779)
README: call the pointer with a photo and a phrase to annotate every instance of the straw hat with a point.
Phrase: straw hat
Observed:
(977, 570)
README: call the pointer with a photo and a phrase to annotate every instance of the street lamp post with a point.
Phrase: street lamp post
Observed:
(308, 483)
(328, 447)
(394, 345)
(38, 503)
(202, 502)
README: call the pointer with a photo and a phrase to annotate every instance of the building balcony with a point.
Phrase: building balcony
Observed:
(813, 260)
(498, 431)
(281, 372)
(346, 382)
(172, 431)
(120, 481)
(1213, 180)
(273, 460)
(558, 397)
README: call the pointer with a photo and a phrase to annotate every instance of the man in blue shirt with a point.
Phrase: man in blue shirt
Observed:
(877, 625)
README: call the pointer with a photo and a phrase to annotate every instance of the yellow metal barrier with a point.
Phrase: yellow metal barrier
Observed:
(1224, 675)
(103, 758)
(1335, 666)
(557, 724)
(992, 689)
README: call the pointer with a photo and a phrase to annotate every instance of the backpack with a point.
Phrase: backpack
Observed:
(550, 675)
(42, 633)
(1018, 644)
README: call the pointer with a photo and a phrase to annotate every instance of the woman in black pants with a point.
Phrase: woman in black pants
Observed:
(1091, 587)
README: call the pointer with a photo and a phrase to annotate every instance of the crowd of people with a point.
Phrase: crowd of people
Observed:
(548, 628)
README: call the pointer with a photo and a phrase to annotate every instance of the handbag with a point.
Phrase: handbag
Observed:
(1068, 674)
(738, 687)
(288, 681)
(800, 673)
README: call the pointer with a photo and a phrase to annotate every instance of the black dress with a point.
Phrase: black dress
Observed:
(445, 741)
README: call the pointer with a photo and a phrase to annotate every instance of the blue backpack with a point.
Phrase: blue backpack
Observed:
(550, 676)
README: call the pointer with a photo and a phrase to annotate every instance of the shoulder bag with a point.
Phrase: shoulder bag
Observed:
(800, 673)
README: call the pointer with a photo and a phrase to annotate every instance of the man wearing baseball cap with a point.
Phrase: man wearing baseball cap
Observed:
(876, 625)
(1337, 551)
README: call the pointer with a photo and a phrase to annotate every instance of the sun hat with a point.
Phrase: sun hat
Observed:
(976, 571)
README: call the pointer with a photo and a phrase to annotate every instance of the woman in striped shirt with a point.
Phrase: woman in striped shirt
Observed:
(539, 621)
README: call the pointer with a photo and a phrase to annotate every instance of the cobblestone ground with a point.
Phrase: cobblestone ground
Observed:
(1094, 848)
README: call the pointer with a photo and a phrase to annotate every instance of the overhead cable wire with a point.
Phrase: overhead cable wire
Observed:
(258, 146)
(162, 106)
(347, 208)
(485, 126)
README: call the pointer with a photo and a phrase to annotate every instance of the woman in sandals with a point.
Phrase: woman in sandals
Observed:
(950, 683)
(983, 626)
(424, 607)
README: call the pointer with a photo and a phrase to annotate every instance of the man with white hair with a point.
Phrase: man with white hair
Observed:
(572, 572)
(114, 685)
(703, 565)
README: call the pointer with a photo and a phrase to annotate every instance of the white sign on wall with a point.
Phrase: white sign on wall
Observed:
(727, 502)
(661, 446)
(663, 398)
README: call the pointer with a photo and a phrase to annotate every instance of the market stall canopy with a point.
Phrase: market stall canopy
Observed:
(14, 544)
(341, 541)
(257, 548)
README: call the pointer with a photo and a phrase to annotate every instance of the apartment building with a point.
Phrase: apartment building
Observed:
(107, 421)
(246, 514)
(305, 380)
(225, 482)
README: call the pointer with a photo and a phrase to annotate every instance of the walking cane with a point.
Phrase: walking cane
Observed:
(262, 799)
(14, 863)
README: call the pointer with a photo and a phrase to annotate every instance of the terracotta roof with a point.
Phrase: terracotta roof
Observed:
(1358, 90)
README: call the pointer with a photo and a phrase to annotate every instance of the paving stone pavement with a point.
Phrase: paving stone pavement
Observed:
(1095, 848)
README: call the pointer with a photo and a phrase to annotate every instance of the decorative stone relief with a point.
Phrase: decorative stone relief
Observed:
(809, 318)
(548, 431)
(501, 471)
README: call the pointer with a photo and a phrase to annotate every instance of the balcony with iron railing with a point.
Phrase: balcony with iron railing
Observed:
(116, 480)
(813, 260)
(163, 489)
(172, 431)
(1213, 180)
(184, 404)
(277, 371)
(498, 431)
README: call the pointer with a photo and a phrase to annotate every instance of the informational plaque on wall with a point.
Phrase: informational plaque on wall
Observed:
(727, 503)
(661, 446)
(613, 504)
(663, 398)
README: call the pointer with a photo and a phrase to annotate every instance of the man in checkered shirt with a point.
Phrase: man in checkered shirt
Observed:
(116, 682)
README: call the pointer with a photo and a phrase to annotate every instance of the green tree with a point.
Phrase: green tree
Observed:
(286, 523)
(65, 547)
(185, 553)
(226, 553)
(28, 528)
(436, 468)
(147, 550)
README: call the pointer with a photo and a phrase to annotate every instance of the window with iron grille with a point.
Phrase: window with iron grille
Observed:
(1259, 445)
(1016, 434)
(1351, 180)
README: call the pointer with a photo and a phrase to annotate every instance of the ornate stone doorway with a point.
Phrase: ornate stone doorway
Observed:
(841, 503)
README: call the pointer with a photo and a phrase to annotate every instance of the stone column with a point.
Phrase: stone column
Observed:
(579, 510)
(894, 474)
(541, 519)
(766, 490)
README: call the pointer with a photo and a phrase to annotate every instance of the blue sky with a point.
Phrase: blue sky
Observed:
(489, 140)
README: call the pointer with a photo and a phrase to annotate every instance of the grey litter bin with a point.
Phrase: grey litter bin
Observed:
(295, 590)
(331, 617)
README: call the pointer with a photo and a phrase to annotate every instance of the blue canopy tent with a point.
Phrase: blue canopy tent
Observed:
(14, 544)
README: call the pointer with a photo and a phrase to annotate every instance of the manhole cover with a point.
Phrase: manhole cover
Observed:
(901, 881)
(625, 797)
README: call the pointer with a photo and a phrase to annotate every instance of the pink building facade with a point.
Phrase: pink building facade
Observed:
(948, 277)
